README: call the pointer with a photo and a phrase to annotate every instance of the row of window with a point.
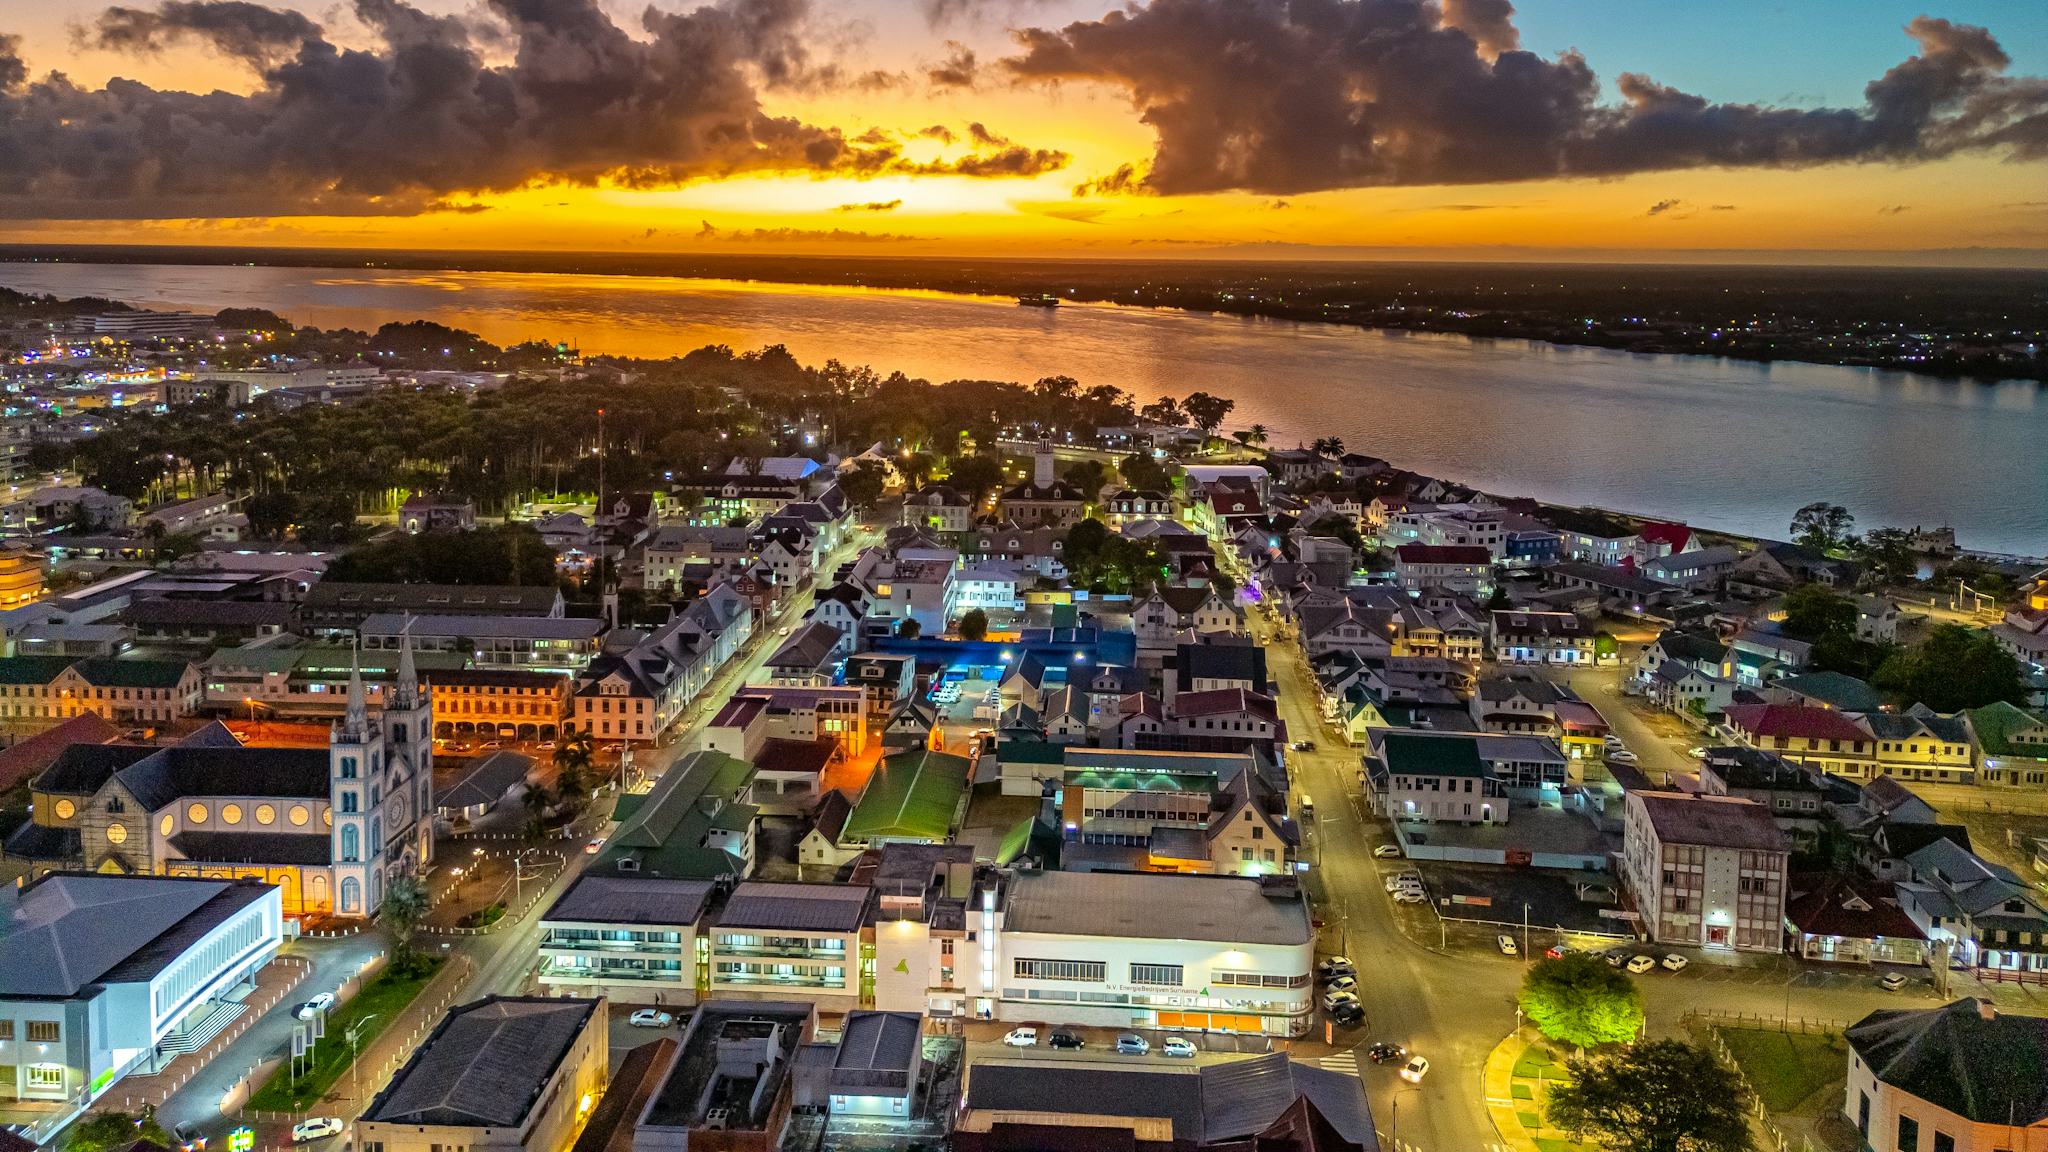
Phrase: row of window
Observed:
(38, 1032)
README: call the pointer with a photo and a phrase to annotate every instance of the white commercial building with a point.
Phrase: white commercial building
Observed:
(1706, 870)
(1143, 950)
(101, 975)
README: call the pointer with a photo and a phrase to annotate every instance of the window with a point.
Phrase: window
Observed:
(6, 1029)
(1094, 970)
(1909, 1134)
(1164, 975)
(44, 1031)
(1943, 1142)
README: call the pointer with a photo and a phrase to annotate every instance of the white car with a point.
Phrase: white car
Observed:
(650, 1018)
(1343, 984)
(1178, 1046)
(1025, 1037)
(1891, 982)
(1673, 962)
(1641, 964)
(324, 1002)
(1386, 852)
(1332, 999)
(595, 846)
(317, 1128)
(1506, 944)
(1624, 756)
(1415, 1069)
(1410, 896)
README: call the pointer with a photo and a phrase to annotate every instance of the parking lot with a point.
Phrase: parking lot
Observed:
(1497, 896)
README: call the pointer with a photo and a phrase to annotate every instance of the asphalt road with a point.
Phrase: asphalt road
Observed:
(1454, 1004)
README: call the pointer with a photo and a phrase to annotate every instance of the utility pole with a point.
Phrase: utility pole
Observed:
(1525, 931)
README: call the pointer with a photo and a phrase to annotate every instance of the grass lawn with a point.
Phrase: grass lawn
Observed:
(1523, 1092)
(1549, 1144)
(1785, 1067)
(383, 1000)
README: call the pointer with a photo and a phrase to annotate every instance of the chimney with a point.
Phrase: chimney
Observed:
(1042, 475)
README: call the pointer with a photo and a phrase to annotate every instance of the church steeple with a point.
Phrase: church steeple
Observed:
(355, 721)
(405, 693)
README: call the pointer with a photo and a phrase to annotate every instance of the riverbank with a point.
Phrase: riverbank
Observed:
(1980, 325)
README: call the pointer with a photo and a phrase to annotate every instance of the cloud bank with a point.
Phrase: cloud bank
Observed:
(1292, 96)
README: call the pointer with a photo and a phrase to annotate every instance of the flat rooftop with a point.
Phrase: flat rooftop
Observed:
(599, 899)
(728, 1050)
(1154, 906)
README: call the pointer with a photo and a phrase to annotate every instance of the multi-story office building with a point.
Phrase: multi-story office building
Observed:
(631, 938)
(777, 941)
(1706, 870)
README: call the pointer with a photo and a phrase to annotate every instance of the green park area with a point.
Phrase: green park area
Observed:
(1786, 1068)
(379, 1003)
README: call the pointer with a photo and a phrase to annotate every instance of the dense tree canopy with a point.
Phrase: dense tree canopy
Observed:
(1658, 1096)
(1580, 1000)
(1955, 667)
(511, 554)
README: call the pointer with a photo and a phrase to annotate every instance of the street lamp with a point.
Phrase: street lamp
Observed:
(355, 1052)
(1394, 1136)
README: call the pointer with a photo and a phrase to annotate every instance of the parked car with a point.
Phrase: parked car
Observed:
(1308, 806)
(1557, 951)
(1387, 852)
(1303, 745)
(1349, 1012)
(1622, 757)
(1385, 1053)
(1343, 984)
(1410, 896)
(317, 1128)
(1336, 966)
(1131, 1044)
(1065, 1041)
(650, 1018)
(1415, 1069)
(1179, 1047)
(1332, 999)
(595, 846)
(1891, 982)
(1025, 1037)
(1696, 752)
(188, 1138)
(1641, 964)
(1673, 962)
(1506, 944)
(1616, 957)
(324, 1002)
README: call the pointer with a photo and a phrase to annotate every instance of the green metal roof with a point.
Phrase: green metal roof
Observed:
(109, 673)
(912, 796)
(1030, 752)
(1997, 724)
(33, 669)
(1408, 755)
(664, 830)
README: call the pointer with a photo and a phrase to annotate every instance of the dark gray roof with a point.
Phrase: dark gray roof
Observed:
(1221, 661)
(255, 847)
(487, 780)
(1154, 906)
(878, 1054)
(82, 768)
(1966, 1057)
(1217, 1103)
(185, 770)
(485, 1063)
(601, 899)
(70, 930)
(798, 907)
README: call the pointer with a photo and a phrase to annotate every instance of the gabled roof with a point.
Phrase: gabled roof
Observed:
(1443, 554)
(1692, 647)
(1226, 701)
(485, 1064)
(599, 899)
(1795, 721)
(487, 780)
(1966, 1057)
(2002, 730)
(69, 930)
(36, 754)
(668, 833)
(1714, 821)
(912, 795)
(1837, 690)
(1848, 906)
(797, 907)
(1416, 754)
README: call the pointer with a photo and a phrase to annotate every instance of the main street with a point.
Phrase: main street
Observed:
(1453, 1005)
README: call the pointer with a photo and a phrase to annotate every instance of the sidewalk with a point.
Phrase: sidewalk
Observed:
(1515, 1079)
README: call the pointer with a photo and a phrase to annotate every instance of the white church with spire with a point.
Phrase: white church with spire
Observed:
(381, 777)
(331, 828)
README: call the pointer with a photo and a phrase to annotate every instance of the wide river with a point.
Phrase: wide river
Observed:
(1720, 444)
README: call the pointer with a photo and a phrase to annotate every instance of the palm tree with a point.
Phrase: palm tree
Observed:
(1256, 434)
(405, 905)
(536, 801)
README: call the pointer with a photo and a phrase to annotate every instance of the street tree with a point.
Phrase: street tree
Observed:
(1089, 476)
(107, 1131)
(1823, 527)
(405, 905)
(863, 484)
(910, 629)
(1816, 610)
(1955, 667)
(1659, 1096)
(973, 625)
(1165, 410)
(1888, 557)
(1578, 999)
(1142, 472)
(974, 476)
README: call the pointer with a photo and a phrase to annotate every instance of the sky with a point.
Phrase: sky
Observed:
(1864, 130)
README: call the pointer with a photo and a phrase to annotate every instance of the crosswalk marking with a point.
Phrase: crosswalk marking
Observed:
(1341, 1062)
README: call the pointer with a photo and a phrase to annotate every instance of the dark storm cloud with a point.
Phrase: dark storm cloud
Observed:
(1288, 96)
(871, 206)
(959, 69)
(397, 128)
(939, 132)
(941, 13)
(1663, 206)
(711, 232)
(1894, 209)
(258, 36)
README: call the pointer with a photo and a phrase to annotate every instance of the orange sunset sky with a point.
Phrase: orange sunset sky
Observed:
(1033, 127)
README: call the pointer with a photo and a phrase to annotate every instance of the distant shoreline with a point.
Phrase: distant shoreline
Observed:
(1196, 286)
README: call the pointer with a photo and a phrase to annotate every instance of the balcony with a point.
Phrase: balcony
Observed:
(782, 951)
(779, 980)
(613, 975)
(644, 947)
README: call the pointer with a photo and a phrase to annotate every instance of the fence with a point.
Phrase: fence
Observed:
(1707, 1024)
